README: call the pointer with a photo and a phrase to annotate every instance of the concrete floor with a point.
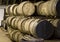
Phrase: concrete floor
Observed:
(3, 36)
(52, 41)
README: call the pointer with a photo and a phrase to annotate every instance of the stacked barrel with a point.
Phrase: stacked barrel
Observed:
(48, 8)
(23, 25)
(23, 8)
(31, 26)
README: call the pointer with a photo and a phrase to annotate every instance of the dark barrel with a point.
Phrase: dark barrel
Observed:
(56, 24)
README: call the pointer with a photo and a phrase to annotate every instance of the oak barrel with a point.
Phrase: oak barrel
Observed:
(15, 34)
(49, 8)
(26, 8)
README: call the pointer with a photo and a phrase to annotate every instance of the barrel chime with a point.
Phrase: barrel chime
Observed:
(22, 22)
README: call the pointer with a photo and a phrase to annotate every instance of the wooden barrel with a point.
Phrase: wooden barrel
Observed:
(37, 6)
(26, 8)
(36, 27)
(9, 19)
(13, 22)
(7, 9)
(15, 34)
(48, 8)
(31, 26)
(20, 24)
(27, 24)
(11, 8)
(15, 10)
(17, 19)
(56, 24)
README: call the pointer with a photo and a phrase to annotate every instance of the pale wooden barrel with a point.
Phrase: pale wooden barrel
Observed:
(37, 6)
(17, 19)
(20, 23)
(15, 34)
(48, 8)
(7, 9)
(13, 22)
(15, 10)
(26, 8)
(11, 9)
(27, 24)
(9, 19)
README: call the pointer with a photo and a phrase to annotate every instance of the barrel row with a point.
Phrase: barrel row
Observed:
(25, 8)
(49, 8)
(35, 27)
(17, 36)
